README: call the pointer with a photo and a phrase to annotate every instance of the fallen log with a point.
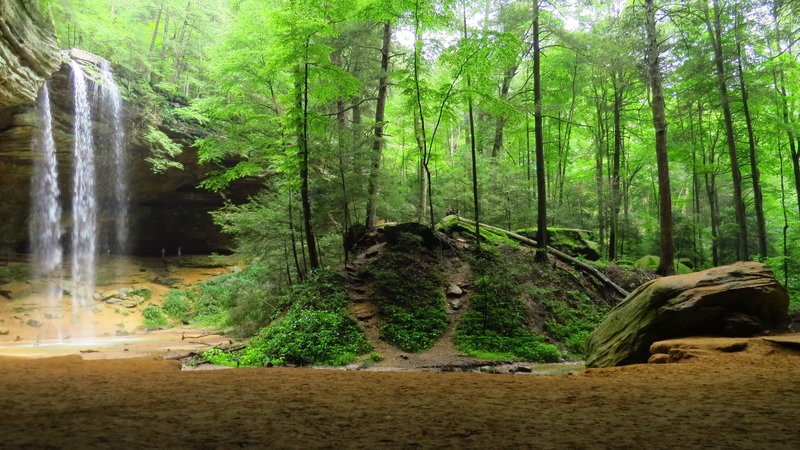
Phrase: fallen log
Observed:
(586, 267)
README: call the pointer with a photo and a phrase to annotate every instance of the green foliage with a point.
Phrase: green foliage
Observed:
(409, 299)
(571, 322)
(495, 323)
(154, 318)
(163, 149)
(176, 305)
(141, 291)
(317, 329)
(651, 262)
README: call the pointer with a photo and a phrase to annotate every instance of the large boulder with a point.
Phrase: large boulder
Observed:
(736, 300)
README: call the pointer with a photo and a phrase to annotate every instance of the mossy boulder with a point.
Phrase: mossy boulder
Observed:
(571, 241)
(736, 300)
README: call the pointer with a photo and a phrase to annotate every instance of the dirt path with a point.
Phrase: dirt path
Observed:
(747, 399)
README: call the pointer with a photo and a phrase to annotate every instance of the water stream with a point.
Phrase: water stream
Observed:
(45, 224)
(112, 104)
(94, 149)
(84, 203)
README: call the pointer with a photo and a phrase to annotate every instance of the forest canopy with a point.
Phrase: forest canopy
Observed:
(514, 112)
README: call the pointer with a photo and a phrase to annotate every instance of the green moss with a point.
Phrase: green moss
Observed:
(495, 323)
(410, 303)
(451, 225)
(317, 329)
(571, 322)
(651, 262)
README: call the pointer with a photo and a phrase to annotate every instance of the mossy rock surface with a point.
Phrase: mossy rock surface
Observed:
(572, 241)
(736, 300)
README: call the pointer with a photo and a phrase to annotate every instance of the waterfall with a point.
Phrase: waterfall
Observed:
(45, 224)
(112, 103)
(84, 202)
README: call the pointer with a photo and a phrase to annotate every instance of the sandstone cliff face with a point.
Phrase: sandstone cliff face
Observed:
(167, 210)
(28, 52)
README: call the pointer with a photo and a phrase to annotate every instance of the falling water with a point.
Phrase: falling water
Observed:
(84, 203)
(112, 102)
(45, 224)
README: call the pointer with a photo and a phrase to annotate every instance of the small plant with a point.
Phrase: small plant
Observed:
(374, 358)
(154, 318)
(176, 305)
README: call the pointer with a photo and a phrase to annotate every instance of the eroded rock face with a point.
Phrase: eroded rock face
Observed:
(28, 52)
(167, 210)
(740, 299)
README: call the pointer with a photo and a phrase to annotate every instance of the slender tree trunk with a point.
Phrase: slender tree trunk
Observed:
(612, 235)
(422, 182)
(500, 122)
(475, 200)
(541, 220)
(294, 241)
(785, 223)
(758, 196)
(666, 266)
(155, 30)
(716, 39)
(380, 107)
(302, 94)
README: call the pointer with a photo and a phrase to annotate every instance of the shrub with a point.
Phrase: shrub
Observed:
(572, 321)
(317, 329)
(154, 318)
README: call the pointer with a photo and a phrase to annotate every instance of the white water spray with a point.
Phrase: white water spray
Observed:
(84, 202)
(112, 103)
(45, 224)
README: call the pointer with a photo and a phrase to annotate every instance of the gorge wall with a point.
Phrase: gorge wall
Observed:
(167, 210)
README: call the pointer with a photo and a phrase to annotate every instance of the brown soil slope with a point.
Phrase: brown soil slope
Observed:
(747, 399)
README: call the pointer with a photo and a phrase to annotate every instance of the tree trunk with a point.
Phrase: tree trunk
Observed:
(612, 235)
(380, 107)
(716, 39)
(541, 216)
(475, 200)
(302, 99)
(155, 30)
(500, 122)
(758, 196)
(666, 266)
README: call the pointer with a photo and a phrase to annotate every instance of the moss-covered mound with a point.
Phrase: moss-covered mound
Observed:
(408, 294)
(496, 325)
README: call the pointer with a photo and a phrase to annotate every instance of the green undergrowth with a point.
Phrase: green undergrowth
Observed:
(571, 319)
(242, 300)
(495, 326)
(317, 329)
(409, 299)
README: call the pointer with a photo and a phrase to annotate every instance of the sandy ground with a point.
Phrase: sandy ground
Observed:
(27, 316)
(746, 399)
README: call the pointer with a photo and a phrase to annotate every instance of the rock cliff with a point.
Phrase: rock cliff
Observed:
(167, 211)
(28, 52)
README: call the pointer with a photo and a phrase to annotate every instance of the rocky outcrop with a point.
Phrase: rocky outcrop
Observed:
(740, 299)
(167, 210)
(28, 52)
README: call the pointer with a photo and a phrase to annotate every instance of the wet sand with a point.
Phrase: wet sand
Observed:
(747, 399)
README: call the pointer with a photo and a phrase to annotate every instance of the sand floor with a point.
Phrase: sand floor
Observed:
(748, 399)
